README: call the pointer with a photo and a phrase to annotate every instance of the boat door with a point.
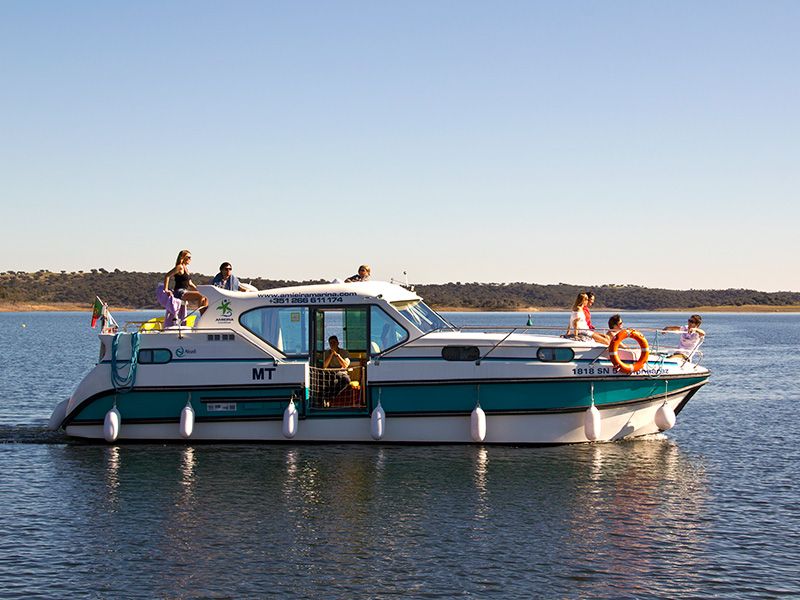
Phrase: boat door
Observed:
(337, 388)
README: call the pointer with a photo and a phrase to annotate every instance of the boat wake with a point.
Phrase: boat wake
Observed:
(30, 434)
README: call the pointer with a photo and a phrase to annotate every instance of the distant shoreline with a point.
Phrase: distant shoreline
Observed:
(748, 308)
(751, 308)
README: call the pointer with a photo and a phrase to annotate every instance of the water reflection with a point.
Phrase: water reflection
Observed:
(346, 514)
(481, 481)
(112, 474)
(188, 463)
(714, 513)
(643, 495)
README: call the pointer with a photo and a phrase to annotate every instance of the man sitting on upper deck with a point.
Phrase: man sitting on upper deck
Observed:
(226, 280)
(362, 275)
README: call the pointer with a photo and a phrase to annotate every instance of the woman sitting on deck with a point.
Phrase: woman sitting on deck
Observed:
(579, 328)
(184, 288)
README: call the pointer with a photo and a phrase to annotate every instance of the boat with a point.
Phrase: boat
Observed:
(251, 368)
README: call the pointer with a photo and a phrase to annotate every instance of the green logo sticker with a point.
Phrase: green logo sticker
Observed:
(225, 308)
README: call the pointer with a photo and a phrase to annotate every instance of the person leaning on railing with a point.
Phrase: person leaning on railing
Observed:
(691, 336)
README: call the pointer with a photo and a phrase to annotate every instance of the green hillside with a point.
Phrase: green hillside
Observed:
(137, 290)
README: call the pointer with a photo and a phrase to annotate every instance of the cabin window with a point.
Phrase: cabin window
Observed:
(385, 332)
(555, 354)
(155, 356)
(282, 327)
(421, 315)
(465, 353)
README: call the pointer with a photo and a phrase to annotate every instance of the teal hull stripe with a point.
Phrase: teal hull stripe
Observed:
(166, 405)
(520, 396)
(412, 399)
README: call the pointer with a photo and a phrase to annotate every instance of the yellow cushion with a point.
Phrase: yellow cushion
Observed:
(154, 324)
(157, 323)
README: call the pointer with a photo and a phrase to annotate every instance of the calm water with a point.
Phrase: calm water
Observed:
(711, 509)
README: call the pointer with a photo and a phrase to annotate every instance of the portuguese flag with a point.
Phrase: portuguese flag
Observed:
(97, 310)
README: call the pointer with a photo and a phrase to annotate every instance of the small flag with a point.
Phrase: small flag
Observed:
(530, 321)
(97, 310)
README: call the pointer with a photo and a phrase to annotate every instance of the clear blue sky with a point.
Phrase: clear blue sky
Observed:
(585, 142)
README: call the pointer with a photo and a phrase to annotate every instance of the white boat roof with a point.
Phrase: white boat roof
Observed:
(357, 291)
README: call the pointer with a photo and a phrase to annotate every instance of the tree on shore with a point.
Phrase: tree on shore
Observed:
(137, 290)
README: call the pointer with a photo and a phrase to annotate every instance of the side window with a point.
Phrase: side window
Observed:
(555, 354)
(156, 356)
(463, 353)
(284, 328)
(385, 332)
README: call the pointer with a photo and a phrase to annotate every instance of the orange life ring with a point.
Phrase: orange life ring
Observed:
(622, 365)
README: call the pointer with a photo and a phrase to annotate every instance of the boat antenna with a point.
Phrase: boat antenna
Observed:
(404, 283)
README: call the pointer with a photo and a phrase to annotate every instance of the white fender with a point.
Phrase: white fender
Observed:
(111, 425)
(591, 423)
(478, 424)
(187, 421)
(290, 420)
(665, 417)
(59, 413)
(378, 425)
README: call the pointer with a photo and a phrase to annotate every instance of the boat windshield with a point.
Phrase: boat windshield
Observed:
(422, 315)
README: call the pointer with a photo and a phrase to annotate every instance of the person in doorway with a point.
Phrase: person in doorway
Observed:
(184, 289)
(691, 336)
(362, 275)
(338, 359)
(226, 280)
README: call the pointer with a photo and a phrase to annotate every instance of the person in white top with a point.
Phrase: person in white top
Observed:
(578, 327)
(691, 336)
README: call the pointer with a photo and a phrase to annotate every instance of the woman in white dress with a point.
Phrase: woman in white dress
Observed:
(579, 328)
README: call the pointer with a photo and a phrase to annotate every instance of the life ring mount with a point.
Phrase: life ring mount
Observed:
(620, 364)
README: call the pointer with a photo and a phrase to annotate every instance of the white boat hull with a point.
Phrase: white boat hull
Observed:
(632, 420)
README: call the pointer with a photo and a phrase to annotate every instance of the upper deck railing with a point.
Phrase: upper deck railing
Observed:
(656, 339)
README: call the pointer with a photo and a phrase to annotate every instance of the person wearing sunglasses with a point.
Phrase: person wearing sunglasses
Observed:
(184, 288)
(226, 280)
(691, 336)
(615, 325)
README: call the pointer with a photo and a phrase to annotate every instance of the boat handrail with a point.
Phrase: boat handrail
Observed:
(488, 352)
(477, 328)
(656, 345)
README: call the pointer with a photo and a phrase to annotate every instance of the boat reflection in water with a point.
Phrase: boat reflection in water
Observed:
(359, 518)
